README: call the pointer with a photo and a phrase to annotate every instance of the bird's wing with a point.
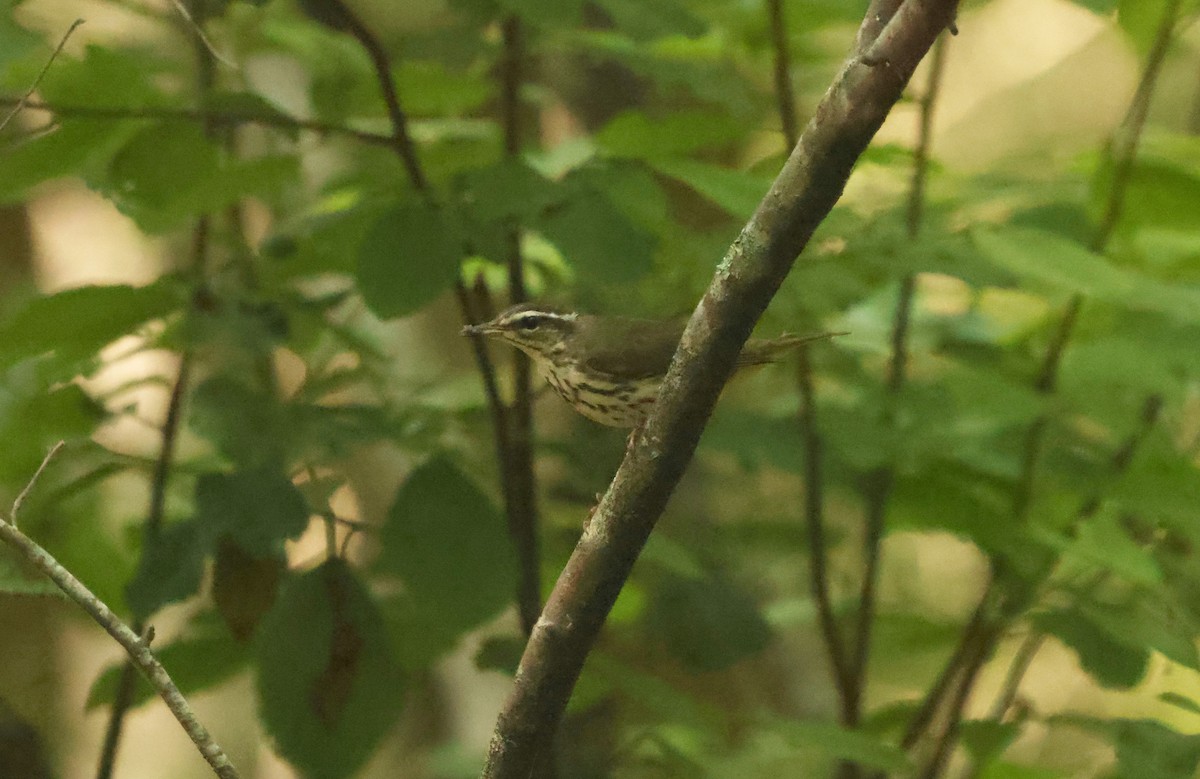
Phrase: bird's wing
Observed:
(630, 348)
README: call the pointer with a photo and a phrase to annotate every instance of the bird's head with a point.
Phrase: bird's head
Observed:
(539, 331)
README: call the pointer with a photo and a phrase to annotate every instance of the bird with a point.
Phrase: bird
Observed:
(609, 368)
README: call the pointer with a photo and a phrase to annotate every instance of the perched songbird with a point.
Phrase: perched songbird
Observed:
(609, 368)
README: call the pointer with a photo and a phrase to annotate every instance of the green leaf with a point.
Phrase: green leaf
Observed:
(16, 580)
(449, 544)
(599, 240)
(16, 43)
(104, 76)
(986, 739)
(76, 323)
(1002, 770)
(247, 426)
(408, 257)
(171, 171)
(1110, 662)
(155, 166)
(328, 686)
(1159, 192)
(259, 509)
(197, 662)
(1102, 540)
(546, 13)
(431, 90)
(77, 146)
(837, 742)
(1151, 750)
(509, 189)
(708, 624)
(1140, 19)
(737, 192)
(1050, 260)
(635, 135)
(169, 570)
(1146, 621)
(244, 587)
(646, 21)
(1162, 485)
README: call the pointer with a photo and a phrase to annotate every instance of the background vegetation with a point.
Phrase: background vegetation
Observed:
(340, 516)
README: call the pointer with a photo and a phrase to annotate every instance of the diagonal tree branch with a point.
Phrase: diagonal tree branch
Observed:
(136, 645)
(759, 260)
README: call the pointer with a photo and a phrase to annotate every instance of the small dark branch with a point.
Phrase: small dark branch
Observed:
(920, 171)
(973, 634)
(519, 486)
(1021, 662)
(216, 119)
(784, 94)
(814, 521)
(1123, 457)
(401, 140)
(814, 499)
(880, 482)
(1130, 133)
(962, 693)
(24, 99)
(138, 649)
(757, 263)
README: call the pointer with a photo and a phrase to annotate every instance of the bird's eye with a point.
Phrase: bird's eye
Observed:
(528, 323)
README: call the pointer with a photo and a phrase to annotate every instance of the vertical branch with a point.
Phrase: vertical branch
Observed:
(814, 480)
(520, 489)
(512, 431)
(880, 482)
(163, 463)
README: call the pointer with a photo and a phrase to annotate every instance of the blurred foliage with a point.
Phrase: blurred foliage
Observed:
(298, 382)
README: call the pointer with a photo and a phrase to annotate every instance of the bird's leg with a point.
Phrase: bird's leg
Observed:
(634, 435)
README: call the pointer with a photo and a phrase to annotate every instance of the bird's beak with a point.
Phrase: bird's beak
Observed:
(474, 330)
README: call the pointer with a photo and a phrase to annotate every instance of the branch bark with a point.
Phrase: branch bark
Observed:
(756, 264)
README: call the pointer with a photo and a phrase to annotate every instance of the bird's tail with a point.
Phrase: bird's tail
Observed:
(762, 351)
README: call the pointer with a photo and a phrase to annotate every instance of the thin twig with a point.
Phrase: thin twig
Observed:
(139, 650)
(216, 118)
(880, 482)
(814, 498)
(23, 494)
(198, 31)
(785, 97)
(23, 100)
(401, 140)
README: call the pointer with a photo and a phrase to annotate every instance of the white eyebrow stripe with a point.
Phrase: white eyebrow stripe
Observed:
(544, 314)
